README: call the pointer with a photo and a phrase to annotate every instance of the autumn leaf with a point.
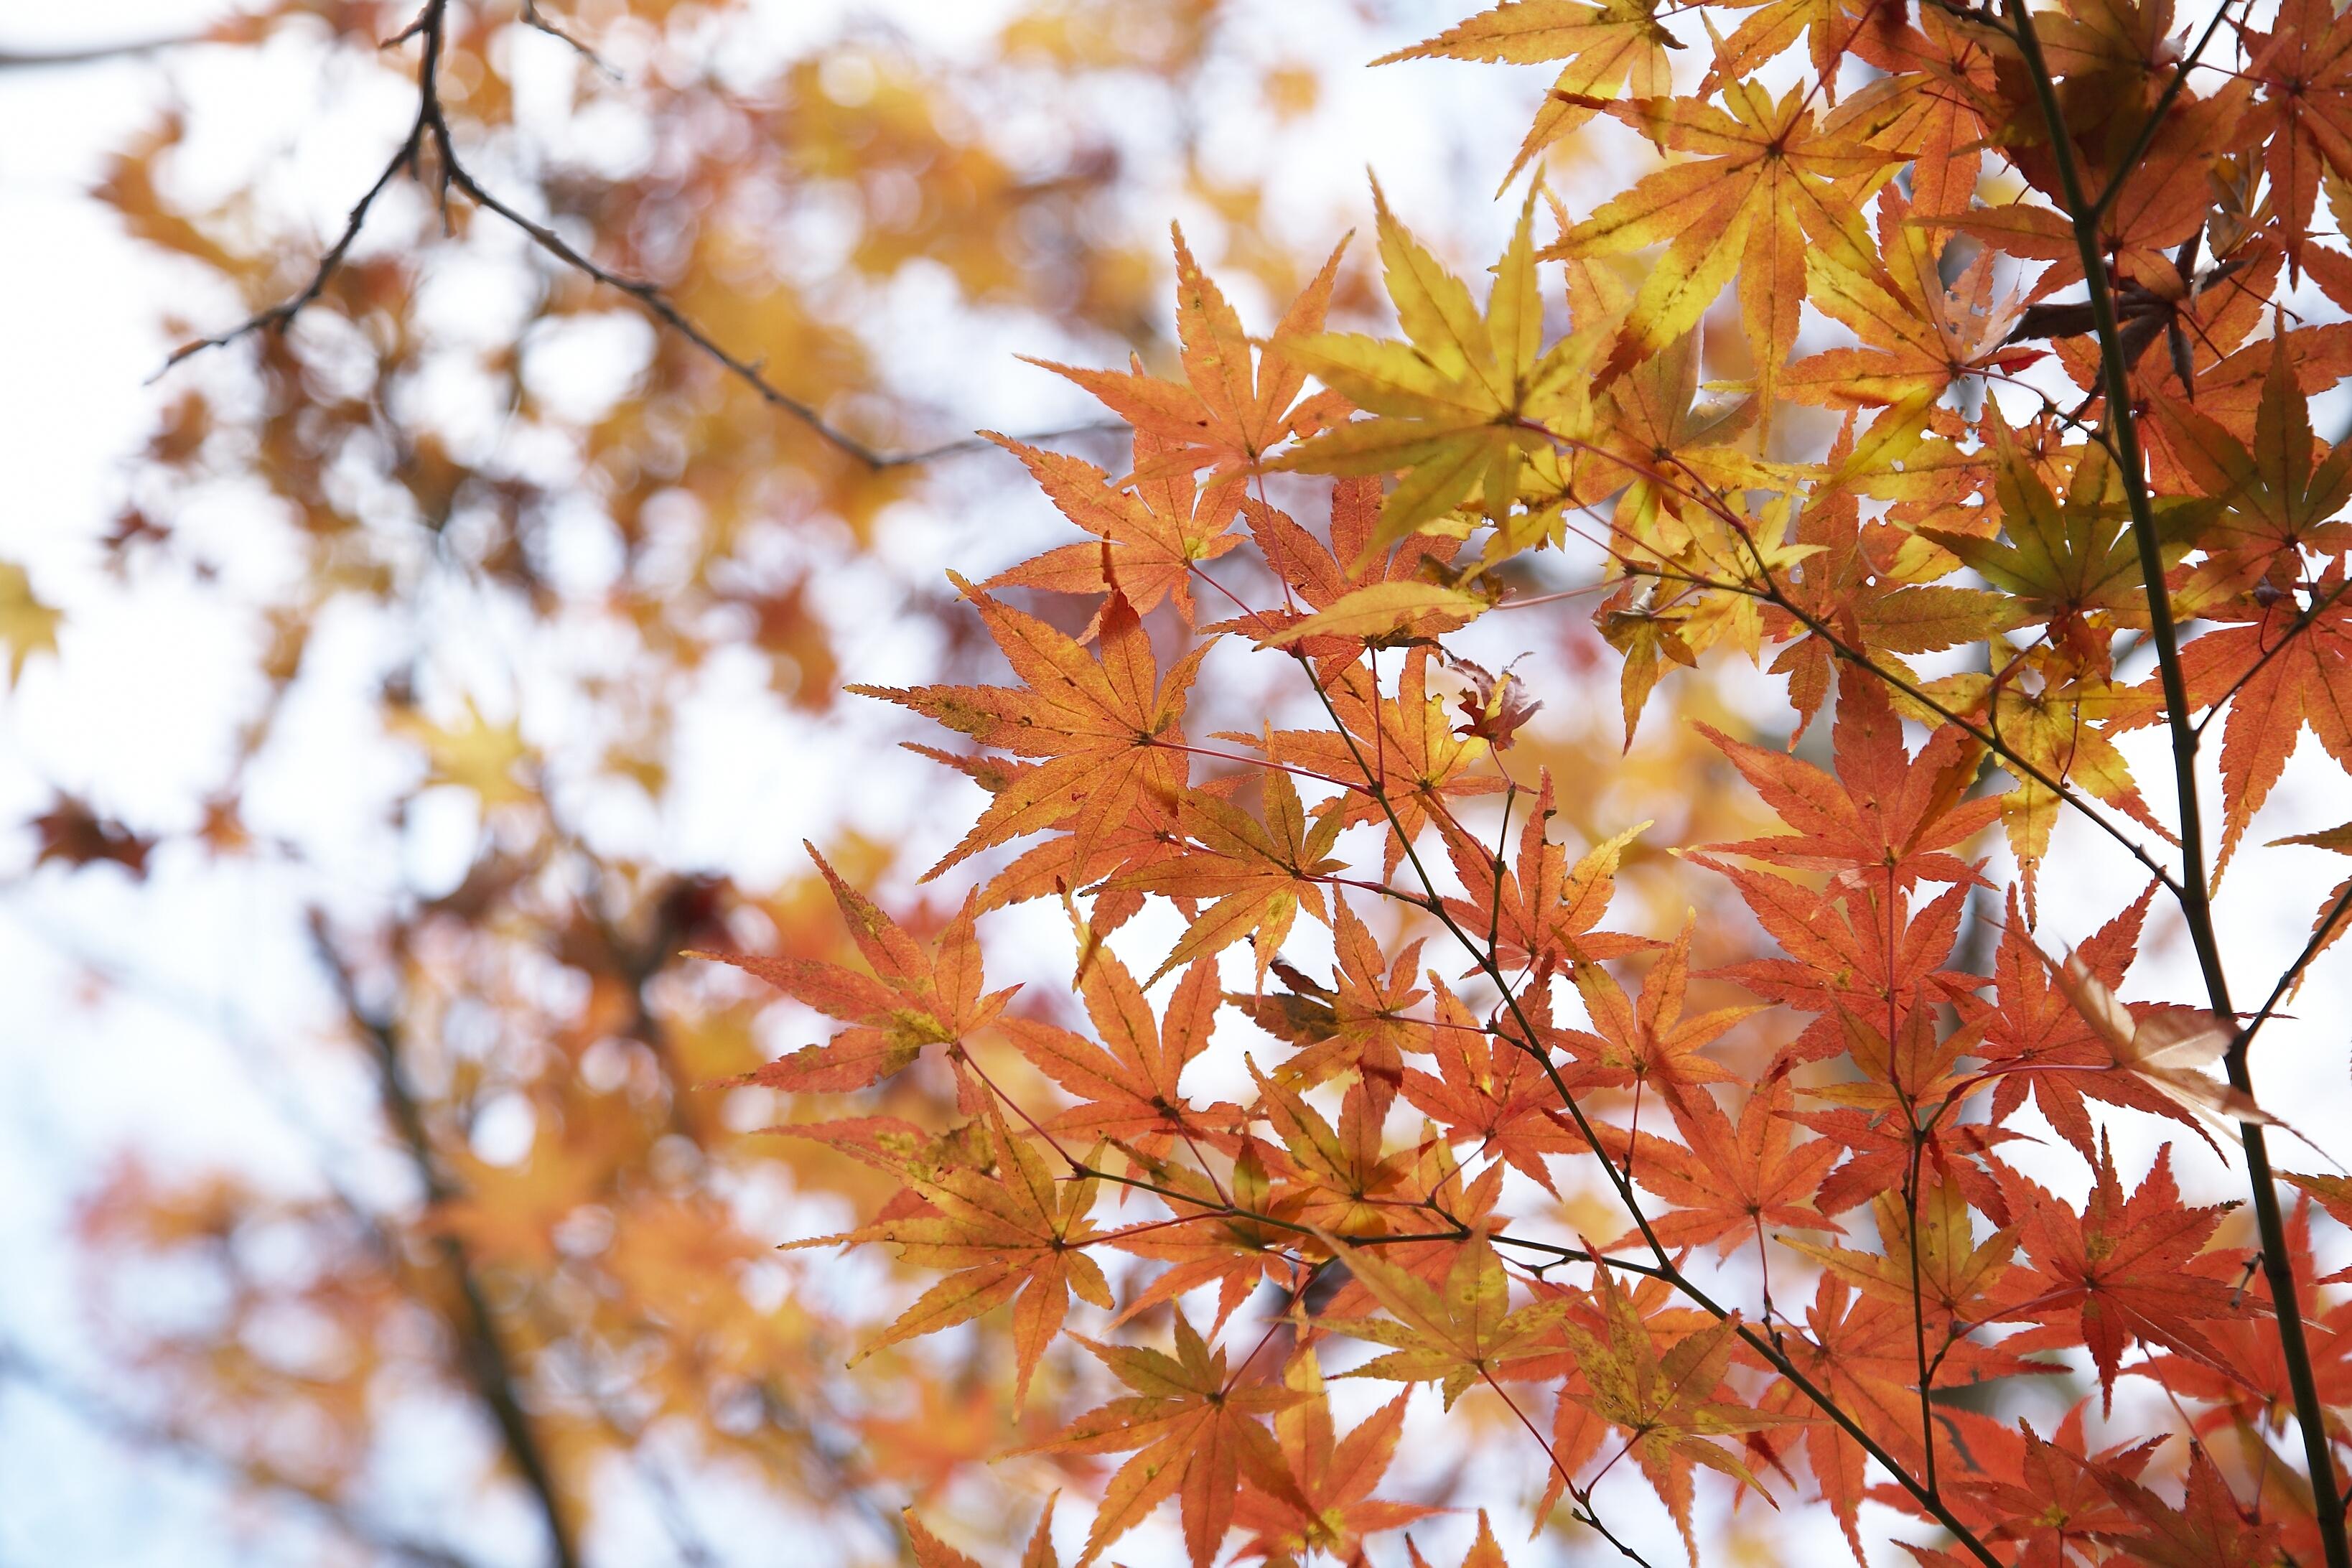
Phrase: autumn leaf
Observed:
(2166, 1050)
(1485, 1551)
(2334, 916)
(1128, 1085)
(1884, 814)
(1537, 910)
(1726, 1180)
(2278, 670)
(1767, 182)
(1105, 729)
(1377, 613)
(1221, 417)
(1617, 43)
(1011, 1233)
(1491, 1092)
(1332, 1507)
(1671, 1406)
(1462, 403)
(1454, 1334)
(2036, 1039)
(28, 625)
(2123, 1268)
(1195, 1431)
(931, 1551)
(1650, 1043)
(1256, 876)
(1153, 537)
(913, 999)
(1360, 1021)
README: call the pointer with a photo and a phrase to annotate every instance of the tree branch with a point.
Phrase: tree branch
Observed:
(2194, 895)
(431, 125)
(487, 1359)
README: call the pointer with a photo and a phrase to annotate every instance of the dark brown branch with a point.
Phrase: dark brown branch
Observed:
(2194, 895)
(431, 125)
(488, 1363)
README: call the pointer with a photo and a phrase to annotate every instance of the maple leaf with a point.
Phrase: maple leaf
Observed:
(1919, 337)
(1767, 180)
(1326, 578)
(1398, 756)
(1931, 1257)
(2065, 562)
(28, 625)
(931, 1551)
(1491, 1092)
(1347, 1179)
(2165, 1050)
(1384, 613)
(911, 1000)
(1222, 417)
(1496, 707)
(2121, 1269)
(72, 834)
(1214, 1245)
(1332, 1508)
(1485, 1551)
(2276, 502)
(1195, 1433)
(1128, 1085)
(2057, 1491)
(1860, 1349)
(1012, 1233)
(2208, 1528)
(1153, 537)
(2056, 720)
(1455, 1333)
(2279, 671)
(1257, 875)
(1886, 816)
(2334, 916)
(1728, 1182)
(1671, 1407)
(1651, 1043)
(1614, 44)
(1858, 582)
(2036, 1039)
(477, 755)
(1105, 729)
(1845, 956)
(2303, 120)
(1462, 403)
(1539, 911)
(1666, 448)
(1358, 1023)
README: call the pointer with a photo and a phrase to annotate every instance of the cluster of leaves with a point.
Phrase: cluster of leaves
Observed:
(2011, 503)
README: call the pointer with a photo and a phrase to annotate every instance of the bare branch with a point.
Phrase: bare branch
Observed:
(432, 124)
